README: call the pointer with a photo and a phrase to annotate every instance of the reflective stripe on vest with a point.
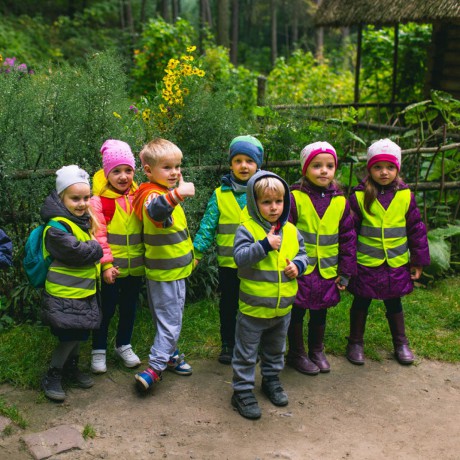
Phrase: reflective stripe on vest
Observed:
(265, 291)
(69, 281)
(229, 220)
(124, 235)
(382, 236)
(321, 236)
(168, 251)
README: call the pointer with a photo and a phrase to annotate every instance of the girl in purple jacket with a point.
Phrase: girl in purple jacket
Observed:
(392, 248)
(322, 215)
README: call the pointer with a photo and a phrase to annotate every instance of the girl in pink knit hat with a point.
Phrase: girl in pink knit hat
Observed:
(322, 215)
(392, 248)
(122, 264)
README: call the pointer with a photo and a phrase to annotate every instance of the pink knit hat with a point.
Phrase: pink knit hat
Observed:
(384, 150)
(311, 150)
(115, 153)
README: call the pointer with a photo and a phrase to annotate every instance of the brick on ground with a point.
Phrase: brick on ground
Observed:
(53, 441)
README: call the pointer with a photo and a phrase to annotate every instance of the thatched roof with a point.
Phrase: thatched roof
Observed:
(342, 13)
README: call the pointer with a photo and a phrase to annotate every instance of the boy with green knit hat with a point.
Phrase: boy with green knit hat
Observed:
(220, 221)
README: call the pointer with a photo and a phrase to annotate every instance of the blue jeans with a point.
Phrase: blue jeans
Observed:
(125, 293)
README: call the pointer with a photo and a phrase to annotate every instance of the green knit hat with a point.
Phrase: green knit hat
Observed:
(247, 145)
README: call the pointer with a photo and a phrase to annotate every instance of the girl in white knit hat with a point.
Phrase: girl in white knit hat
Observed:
(322, 215)
(392, 248)
(70, 305)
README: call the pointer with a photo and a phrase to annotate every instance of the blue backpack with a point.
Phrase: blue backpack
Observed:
(35, 264)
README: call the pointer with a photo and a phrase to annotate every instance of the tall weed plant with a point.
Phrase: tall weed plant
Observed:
(50, 119)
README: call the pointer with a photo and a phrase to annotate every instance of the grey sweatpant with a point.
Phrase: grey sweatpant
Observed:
(263, 336)
(166, 302)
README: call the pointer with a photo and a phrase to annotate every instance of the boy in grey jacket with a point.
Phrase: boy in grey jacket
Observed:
(270, 254)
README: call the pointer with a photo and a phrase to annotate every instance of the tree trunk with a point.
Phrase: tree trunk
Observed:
(319, 39)
(223, 38)
(142, 15)
(164, 10)
(274, 30)
(235, 30)
(175, 10)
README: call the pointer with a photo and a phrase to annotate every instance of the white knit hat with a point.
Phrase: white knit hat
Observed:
(69, 175)
(384, 150)
(311, 150)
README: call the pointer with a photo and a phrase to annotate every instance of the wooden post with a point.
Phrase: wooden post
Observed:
(261, 86)
(358, 63)
(395, 64)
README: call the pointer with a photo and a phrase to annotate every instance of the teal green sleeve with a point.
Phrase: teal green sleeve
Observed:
(206, 234)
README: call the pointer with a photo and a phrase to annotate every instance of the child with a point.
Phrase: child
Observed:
(392, 248)
(120, 235)
(322, 214)
(70, 305)
(6, 250)
(220, 221)
(168, 254)
(270, 255)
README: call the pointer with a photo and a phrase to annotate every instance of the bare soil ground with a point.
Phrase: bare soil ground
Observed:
(381, 410)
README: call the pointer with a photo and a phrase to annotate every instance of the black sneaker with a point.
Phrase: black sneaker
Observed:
(246, 403)
(272, 388)
(52, 384)
(226, 355)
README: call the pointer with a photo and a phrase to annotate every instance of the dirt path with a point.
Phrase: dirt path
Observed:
(376, 411)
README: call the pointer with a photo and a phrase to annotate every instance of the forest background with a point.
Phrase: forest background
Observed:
(74, 73)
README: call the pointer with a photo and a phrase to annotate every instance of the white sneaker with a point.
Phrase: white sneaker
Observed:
(129, 358)
(98, 365)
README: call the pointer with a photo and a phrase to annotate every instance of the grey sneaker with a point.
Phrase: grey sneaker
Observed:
(246, 404)
(271, 387)
(75, 375)
(52, 384)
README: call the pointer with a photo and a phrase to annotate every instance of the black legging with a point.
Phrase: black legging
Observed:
(317, 317)
(392, 305)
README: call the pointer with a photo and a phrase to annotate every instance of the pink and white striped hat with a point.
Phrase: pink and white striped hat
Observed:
(384, 150)
(311, 150)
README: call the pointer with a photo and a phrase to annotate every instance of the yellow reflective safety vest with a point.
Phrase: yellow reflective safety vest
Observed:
(168, 251)
(69, 281)
(321, 236)
(383, 236)
(229, 220)
(124, 235)
(265, 291)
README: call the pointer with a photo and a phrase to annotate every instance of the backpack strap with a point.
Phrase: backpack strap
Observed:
(58, 225)
(108, 208)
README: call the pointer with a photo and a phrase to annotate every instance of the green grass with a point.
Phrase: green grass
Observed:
(432, 324)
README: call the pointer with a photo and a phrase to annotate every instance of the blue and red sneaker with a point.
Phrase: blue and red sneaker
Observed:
(147, 378)
(178, 364)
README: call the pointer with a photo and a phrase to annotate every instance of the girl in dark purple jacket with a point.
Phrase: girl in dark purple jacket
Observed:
(392, 248)
(322, 215)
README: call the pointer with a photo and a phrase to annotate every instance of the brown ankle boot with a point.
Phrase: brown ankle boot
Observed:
(297, 357)
(403, 353)
(355, 347)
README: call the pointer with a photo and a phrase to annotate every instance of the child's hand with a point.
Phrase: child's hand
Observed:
(274, 240)
(291, 270)
(110, 275)
(196, 263)
(185, 189)
(338, 283)
(415, 273)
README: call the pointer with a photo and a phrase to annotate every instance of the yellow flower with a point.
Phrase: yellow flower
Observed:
(191, 49)
(136, 52)
(117, 115)
(201, 73)
(163, 108)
